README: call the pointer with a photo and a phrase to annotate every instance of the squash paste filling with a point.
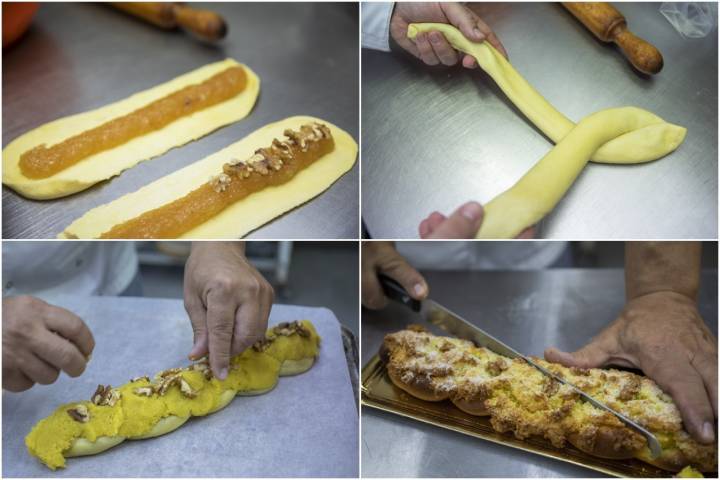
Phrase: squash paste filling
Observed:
(43, 162)
(271, 166)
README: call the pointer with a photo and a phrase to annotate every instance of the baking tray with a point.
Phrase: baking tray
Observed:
(377, 391)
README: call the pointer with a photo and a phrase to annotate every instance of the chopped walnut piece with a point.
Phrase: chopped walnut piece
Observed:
(630, 389)
(142, 377)
(496, 367)
(79, 413)
(220, 182)
(144, 391)
(186, 389)
(262, 345)
(105, 396)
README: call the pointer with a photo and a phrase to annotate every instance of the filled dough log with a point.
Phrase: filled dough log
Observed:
(617, 135)
(146, 408)
(242, 216)
(110, 162)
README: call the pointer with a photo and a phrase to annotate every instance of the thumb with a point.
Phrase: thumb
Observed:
(464, 19)
(463, 223)
(410, 279)
(591, 355)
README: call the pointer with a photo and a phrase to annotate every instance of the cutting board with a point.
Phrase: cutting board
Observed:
(307, 426)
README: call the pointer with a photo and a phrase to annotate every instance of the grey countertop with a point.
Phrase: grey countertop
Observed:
(81, 56)
(528, 310)
(434, 138)
(305, 427)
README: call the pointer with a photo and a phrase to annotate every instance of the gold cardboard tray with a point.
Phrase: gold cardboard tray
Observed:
(378, 391)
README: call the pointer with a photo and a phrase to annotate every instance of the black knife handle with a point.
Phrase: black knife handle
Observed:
(394, 291)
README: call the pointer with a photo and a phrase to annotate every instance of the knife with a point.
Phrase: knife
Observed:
(435, 314)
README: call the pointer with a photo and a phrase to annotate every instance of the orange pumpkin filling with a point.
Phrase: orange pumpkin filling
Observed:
(43, 161)
(268, 167)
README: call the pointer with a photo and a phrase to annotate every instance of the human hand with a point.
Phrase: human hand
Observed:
(381, 257)
(39, 340)
(432, 47)
(228, 302)
(462, 223)
(662, 334)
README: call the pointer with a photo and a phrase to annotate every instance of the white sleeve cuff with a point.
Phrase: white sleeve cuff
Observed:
(376, 25)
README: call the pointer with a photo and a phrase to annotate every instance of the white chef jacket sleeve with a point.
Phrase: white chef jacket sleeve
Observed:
(376, 25)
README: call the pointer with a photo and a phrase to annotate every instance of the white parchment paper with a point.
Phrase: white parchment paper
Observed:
(307, 426)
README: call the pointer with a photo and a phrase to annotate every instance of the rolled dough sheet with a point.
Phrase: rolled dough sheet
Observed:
(638, 146)
(107, 164)
(243, 216)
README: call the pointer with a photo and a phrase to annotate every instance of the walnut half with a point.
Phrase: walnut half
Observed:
(105, 396)
(79, 413)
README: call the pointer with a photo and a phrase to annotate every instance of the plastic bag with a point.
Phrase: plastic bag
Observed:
(690, 19)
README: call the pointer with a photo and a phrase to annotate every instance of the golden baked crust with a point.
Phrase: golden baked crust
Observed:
(520, 399)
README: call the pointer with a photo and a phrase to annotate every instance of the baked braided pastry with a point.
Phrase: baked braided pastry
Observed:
(520, 399)
(145, 408)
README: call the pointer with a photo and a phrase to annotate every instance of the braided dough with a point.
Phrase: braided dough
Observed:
(107, 164)
(243, 216)
(617, 135)
(145, 408)
(521, 400)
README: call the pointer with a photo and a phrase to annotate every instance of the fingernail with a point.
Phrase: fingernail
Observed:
(419, 289)
(223, 374)
(708, 432)
(478, 34)
(472, 211)
(435, 37)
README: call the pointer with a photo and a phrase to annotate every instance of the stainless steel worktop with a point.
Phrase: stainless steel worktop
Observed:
(527, 310)
(77, 57)
(434, 138)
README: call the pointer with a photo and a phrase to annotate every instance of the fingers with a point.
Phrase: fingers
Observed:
(463, 223)
(372, 293)
(527, 233)
(220, 325)
(15, 381)
(464, 19)
(469, 62)
(71, 327)
(250, 324)
(425, 50)
(59, 353)
(490, 36)
(443, 51)
(38, 370)
(198, 320)
(706, 366)
(676, 376)
(591, 355)
(429, 225)
(410, 279)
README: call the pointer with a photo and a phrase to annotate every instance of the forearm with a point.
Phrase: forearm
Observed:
(662, 266)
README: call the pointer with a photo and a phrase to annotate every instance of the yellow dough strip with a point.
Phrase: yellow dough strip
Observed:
(244, 215)
(145, 408)
(106, 164)
(617, 135)
(542, 187)
(632, 147)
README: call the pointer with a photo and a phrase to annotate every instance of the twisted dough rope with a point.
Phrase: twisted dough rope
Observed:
(617, 135)
(145, 408)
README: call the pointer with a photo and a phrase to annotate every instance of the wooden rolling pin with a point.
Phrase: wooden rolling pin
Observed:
(609, 25)
(204, 24)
